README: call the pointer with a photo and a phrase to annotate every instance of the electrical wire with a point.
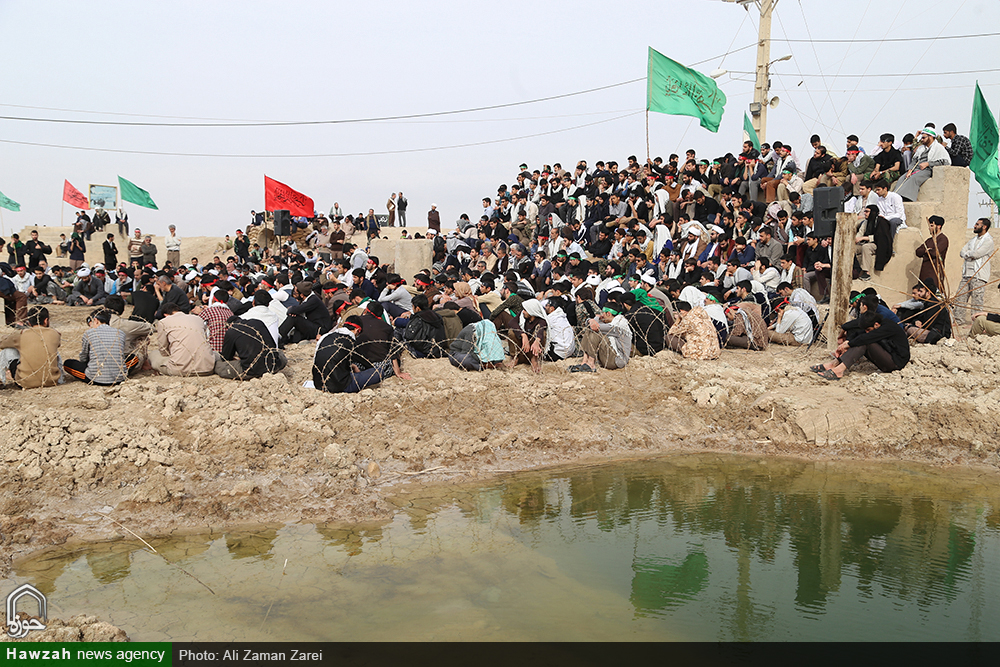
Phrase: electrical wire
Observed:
(894, 39)
(855, 76)
(320, 155)
(324, 122)
(274, 123)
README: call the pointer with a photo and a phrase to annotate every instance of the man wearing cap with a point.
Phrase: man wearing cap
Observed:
(932, 253)
(929, 154)
(87, 291)
(434, 219)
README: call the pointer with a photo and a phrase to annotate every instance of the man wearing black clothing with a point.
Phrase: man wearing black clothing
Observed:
(881, 341)
(168, 292)
(374, 341)
(331, 369)
(646, 325)
(36, 251)
(248, 351)
(306, 319)
(241, 246)
(889, 162)
(110, 253)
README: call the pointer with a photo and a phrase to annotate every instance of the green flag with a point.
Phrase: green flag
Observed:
(8, 203)
(674, 89)
(985, 139)
(750, 134)
(133, 193)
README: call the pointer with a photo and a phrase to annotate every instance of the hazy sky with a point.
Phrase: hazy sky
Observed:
(335, 60)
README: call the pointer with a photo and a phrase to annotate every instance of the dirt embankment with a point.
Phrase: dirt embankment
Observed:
(159, 454)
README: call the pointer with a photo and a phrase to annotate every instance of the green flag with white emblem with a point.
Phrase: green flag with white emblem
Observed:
(8, 203)
(985, 139)
(672, 88)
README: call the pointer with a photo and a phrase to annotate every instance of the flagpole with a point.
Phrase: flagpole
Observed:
(647, 134)
(1, 220)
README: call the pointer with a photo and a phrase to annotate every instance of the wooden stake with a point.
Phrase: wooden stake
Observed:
(841, 280)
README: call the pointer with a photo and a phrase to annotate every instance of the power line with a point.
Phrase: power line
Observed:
(316, 155)
(875, 41)
(855, 76)
(229, 122)
(322, 122)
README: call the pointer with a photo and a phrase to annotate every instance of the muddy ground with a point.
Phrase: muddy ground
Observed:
(160, 454)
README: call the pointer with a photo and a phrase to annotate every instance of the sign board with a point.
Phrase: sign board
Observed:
(103, 196)
(382, 219)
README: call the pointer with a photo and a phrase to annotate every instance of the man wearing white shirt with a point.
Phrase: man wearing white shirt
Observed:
(975, 270)
(792, 328)
(173, 243)
(890, 207)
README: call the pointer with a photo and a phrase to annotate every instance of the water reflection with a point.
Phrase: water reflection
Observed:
(689, 547)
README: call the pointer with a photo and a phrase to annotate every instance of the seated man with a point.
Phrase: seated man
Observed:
(169, 293)
(424, 333)
(985, 324)
(924, 318)
(607, 342)
(102, 352)
(88, 290)
(182, 344)
(308, 318)
(531, 331)
(693, 334)
(793, 326)
(646, 325)
(45, 289)
(748, 331)
(137, 332)
(883, 342)
(929, 154)
(15, 303)
(31, 356)
(248, 351)
(477, 346)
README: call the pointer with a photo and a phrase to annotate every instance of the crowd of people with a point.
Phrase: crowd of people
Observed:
(592, 265)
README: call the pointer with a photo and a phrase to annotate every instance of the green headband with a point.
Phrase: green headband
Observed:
(857, 298)
(608, 309)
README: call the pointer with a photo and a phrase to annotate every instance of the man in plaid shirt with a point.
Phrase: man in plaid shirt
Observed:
(960, 149)
(216, 316)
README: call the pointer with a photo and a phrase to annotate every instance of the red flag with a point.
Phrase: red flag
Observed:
(279, 196)
(73, 196)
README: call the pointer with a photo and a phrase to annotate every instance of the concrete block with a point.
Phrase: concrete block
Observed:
(945, 194)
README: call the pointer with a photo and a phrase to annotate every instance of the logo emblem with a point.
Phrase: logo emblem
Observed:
(18, 628)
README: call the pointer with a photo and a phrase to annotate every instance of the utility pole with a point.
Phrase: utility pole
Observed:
(762, 82)
(758, 110)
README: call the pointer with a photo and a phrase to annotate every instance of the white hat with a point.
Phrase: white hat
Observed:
(646, 278)
(716, 229)
(98, 266)
(431, 232)
(434, 205)
(83, 273)
(190, 276)
(593, 280)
